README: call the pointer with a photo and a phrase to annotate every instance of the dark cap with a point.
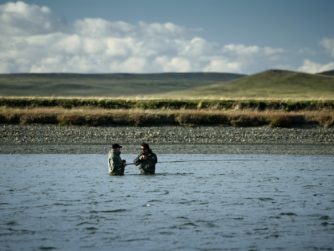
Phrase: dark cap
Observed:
(114, 146)
(145, 145)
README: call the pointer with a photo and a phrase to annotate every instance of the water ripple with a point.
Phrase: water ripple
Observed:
(69, 202)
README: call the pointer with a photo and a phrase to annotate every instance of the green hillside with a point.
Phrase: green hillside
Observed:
(275, 84)
(328, 73)
(112, 85)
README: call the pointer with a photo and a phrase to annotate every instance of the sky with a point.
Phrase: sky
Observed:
(151, 36)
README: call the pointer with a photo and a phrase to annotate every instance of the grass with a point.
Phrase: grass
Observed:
(269, 84)
(112, 85)
(175, 104)
(273, 84)
(273, 98)
(139, 117)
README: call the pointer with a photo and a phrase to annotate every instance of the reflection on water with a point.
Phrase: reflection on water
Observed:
(246, 202)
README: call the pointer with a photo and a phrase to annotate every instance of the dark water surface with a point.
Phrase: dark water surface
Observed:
(246, 202)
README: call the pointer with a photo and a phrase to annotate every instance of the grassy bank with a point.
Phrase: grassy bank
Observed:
(175, 104)
(140, 117)
(273, 98)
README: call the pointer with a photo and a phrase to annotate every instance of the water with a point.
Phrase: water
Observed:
(247, 202)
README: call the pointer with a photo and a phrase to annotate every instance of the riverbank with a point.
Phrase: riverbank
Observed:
(166, 139)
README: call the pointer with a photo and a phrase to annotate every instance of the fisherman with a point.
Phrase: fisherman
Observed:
(146, 160)
(116, 164)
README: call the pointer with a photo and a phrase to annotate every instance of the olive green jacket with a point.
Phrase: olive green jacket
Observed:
(146, 166)
(115, 163)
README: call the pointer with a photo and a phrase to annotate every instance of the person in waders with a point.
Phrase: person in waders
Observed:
(146, 160)
(116, 164)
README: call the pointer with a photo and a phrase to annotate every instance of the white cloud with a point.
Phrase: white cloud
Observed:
(251, 50)
(175, 64)
(219, 65)
(328, 44)
(97, 27)
(133, 64)
(306, 51)
(269, 51)
(33, 39)
(155, 30)
(312, 67)
(21, 18)
(240, 49)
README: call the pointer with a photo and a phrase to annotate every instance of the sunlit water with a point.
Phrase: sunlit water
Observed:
(246, 202)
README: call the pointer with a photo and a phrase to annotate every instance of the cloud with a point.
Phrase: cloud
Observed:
(250, 57)
(173, 64)
(240, 49)
(313, 67)
(33, 39)
(310, 66)
(218, 64)
(328, 44)
(23, 19)
(306, 51)
(97, 27)
(251, 50)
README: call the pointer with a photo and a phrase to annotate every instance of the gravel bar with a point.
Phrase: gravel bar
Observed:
(166, 139)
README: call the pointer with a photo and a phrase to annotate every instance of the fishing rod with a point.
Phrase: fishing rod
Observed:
(202, 160)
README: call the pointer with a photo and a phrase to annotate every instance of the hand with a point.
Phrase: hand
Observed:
(143, 157)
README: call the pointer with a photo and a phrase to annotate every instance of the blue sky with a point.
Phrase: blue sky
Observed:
(244, 36)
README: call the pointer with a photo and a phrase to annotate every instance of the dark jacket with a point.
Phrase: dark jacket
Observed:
(116, 164)
(146, 166)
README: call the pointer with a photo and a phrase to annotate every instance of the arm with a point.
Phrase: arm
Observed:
(154, 158)
(117, 163)
(110, 159)
(137, 160)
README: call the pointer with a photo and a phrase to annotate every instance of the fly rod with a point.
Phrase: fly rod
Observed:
(202, 160)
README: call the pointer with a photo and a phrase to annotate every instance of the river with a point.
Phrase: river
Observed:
(206, 202)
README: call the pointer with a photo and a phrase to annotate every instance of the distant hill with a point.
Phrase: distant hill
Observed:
(271, 84)
(328, 73)
(119, 84)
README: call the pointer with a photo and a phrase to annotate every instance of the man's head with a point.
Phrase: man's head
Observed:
(144, 147)
(116, 147)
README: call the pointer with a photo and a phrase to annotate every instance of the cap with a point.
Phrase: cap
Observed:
(145, 145)
(114, 146)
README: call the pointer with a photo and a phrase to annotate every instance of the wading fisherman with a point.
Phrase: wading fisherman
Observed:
(146, 160)
(116, 164)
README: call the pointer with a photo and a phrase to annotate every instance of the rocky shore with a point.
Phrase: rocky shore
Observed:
(168, 139)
